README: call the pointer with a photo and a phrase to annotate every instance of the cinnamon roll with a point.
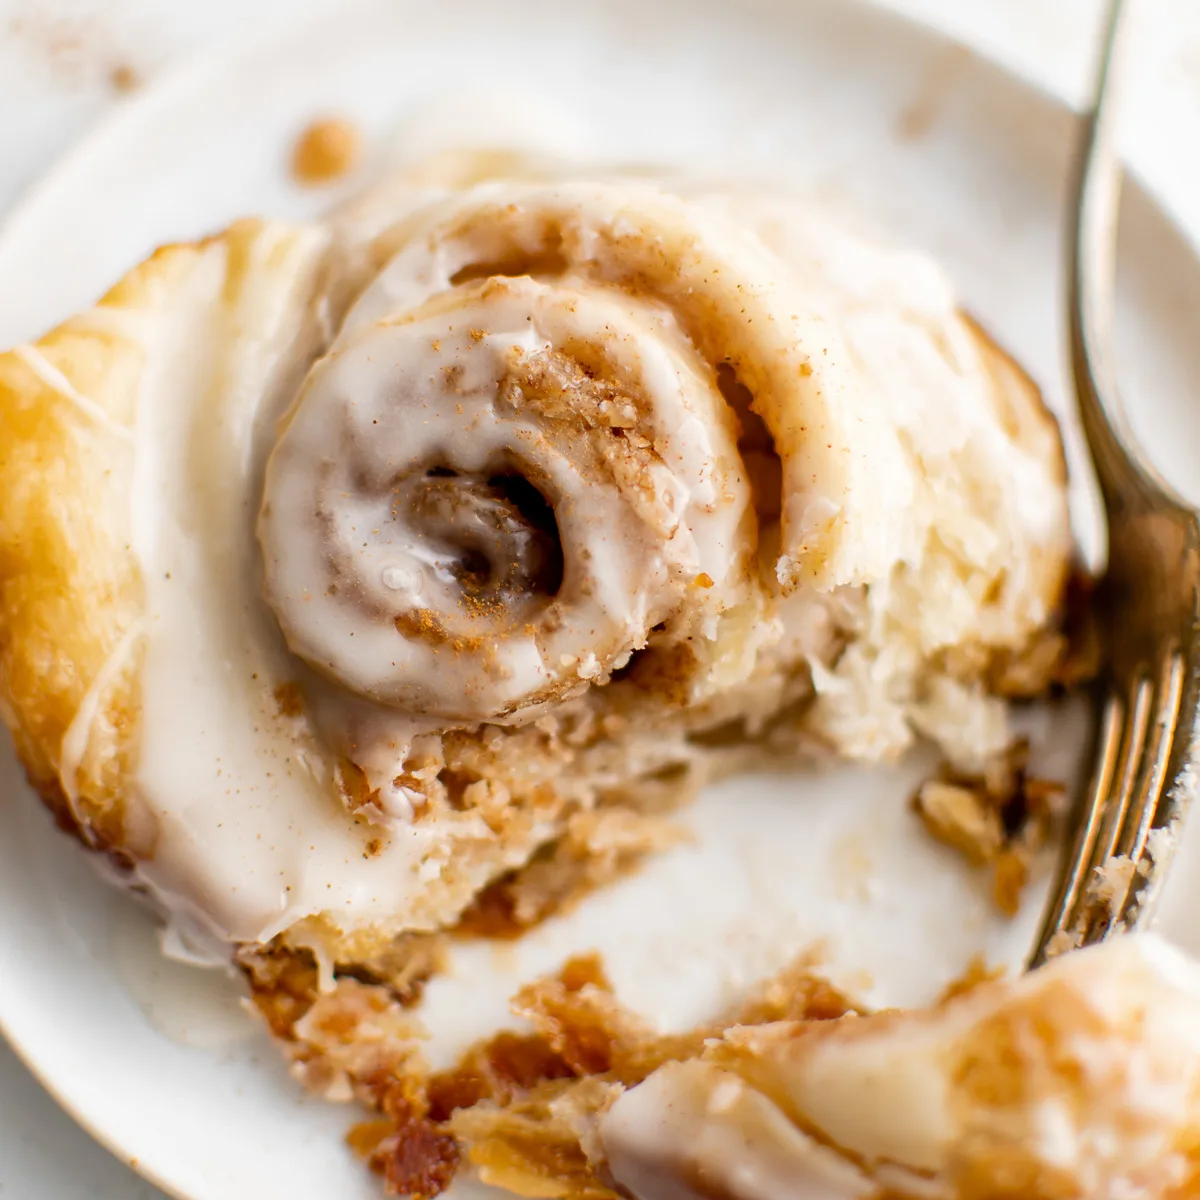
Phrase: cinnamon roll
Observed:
(342, 565)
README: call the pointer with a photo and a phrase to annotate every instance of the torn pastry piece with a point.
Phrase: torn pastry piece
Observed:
(1000, 819)
(1081, 1079)
(523, 1100)
(343, 565)
(1081, 1076)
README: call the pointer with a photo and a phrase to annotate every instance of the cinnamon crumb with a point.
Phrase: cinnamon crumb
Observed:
(290, 699)
(977, 972)
(354, 787)
(327, 150)
(365, 1137)
(417, 1159)
(1009, 876)
(998, 820)
(961, 817)
(423, 624)
(283, 986)
(124, 79)
(497, 1070)
(1060, 659)
(797, 993)
(585, 970)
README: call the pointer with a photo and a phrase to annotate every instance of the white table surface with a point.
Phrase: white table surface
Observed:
(60, 62)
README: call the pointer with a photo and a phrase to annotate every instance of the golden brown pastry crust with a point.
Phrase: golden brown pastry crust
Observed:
(1024, 414)
(71, 595)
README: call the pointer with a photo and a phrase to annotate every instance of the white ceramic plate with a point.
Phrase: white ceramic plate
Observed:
(916, 133)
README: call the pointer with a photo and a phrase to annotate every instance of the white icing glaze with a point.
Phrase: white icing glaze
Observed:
(695, 1132)
(251, 836)
(737, 301)
(194, 1005)
(349, 471)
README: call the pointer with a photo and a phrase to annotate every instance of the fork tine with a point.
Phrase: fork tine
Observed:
(1152, 779)
(1089, 817)
(1117, 803)
(1120, 812)
(1108, 808)
(1154, 760)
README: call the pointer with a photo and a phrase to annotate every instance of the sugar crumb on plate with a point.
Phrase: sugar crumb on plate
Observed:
(328, 149)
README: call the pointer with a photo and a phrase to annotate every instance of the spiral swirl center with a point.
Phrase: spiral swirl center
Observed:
(488, 502)
(493, 539)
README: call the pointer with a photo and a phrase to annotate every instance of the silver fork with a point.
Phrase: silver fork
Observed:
(1127, 824)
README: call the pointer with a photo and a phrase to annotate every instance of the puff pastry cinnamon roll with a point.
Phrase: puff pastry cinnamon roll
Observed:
(341, 565)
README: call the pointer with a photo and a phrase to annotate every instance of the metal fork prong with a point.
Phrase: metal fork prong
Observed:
(1160, 735)
(1123, 819)
(1102, 823)
(1109, 807)
(1133, 743)
(1182, 768)
(1073, 884)
(1152, 781)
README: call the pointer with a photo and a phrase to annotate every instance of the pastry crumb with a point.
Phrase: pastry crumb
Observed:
(329, 149)
(975, 974)
(515, 1104)
(289, 698)
(1112, 881)
(998, 820)
(962, 818)
(124, 78)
